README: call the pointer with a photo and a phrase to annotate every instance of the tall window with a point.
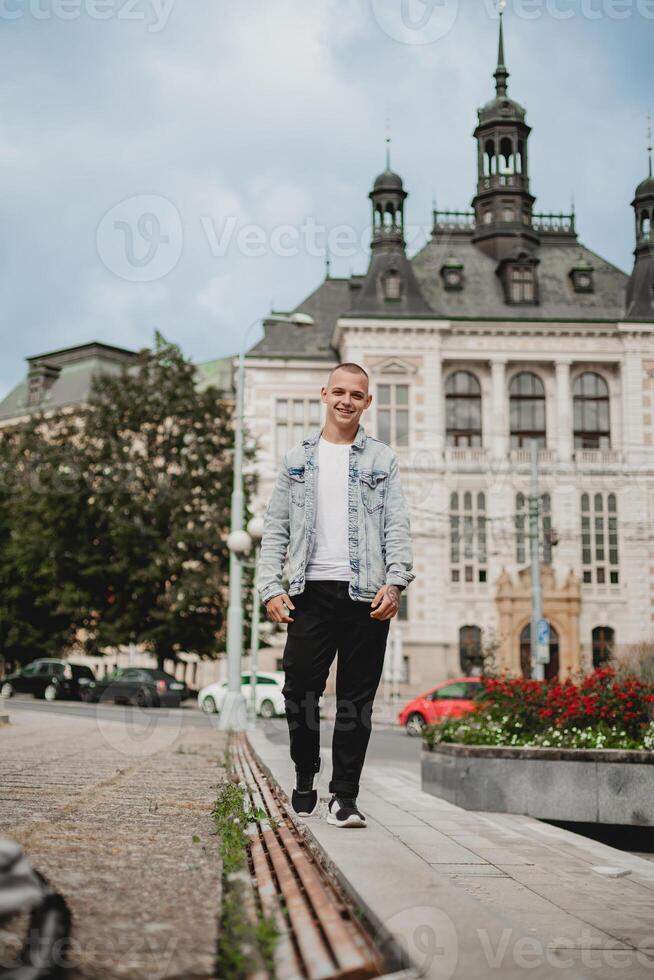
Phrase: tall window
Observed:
(463, 409)
(468, 553)
(527, 410)
(590, 400)
(393, 414)
(470, 655)
(603, 645)
(522, 545)
(295, 418)
(599, 538)
(403, 611)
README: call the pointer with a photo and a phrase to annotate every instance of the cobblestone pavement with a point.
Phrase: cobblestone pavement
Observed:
(117, 814)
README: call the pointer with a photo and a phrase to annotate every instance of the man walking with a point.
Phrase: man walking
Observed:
(338, 512)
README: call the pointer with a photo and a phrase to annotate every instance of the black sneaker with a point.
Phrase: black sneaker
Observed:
(304, 798)
(342, 811)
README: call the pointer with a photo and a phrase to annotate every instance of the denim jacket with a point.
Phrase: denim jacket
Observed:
(378, 521)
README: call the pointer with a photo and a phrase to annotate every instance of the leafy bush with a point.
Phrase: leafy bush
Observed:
(596, 711)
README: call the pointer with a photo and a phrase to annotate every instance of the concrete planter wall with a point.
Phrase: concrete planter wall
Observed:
(594, 785)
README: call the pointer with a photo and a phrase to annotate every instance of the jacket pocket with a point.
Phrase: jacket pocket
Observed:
(297, 485)
(373, 489)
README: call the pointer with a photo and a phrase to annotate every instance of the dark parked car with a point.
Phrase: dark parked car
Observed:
(47, 678)
(145, 686)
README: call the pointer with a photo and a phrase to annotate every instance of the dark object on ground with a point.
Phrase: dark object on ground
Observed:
(47, 678)
(23, 889)
(145, 686)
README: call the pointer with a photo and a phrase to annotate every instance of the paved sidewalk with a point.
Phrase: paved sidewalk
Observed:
(108, 810)
(480, 894)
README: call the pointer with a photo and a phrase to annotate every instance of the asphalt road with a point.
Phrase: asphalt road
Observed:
(386, 744)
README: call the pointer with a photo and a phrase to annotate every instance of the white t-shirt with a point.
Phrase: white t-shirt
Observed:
(331, 554)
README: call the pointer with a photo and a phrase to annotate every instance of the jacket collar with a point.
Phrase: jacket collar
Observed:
(359, 439)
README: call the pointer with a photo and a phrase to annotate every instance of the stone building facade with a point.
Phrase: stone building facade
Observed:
(502, 330)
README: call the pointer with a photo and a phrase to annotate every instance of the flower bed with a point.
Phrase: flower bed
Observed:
(572, 750)
(595, 711)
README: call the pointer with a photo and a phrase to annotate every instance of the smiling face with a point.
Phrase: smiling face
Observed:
(346, 397)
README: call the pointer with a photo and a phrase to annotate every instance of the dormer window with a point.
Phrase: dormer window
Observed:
(582, 278)
(521, 284)
(40, 378)
(452, 274)
(518, 274)
(392, 285)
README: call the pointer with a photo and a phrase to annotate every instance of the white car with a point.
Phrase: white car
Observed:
(270, 700)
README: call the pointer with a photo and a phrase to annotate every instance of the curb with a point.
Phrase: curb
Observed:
(395, 955)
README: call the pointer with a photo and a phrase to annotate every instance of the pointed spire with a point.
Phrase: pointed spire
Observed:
(388, 143)
(649, 142)
(501, 73)
(328, 264)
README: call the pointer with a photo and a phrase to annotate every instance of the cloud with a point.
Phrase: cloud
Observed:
(268, 114)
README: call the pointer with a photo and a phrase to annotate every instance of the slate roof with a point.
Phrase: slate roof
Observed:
(482, 296)
(325, 304)
(78, 367)
(73, 384)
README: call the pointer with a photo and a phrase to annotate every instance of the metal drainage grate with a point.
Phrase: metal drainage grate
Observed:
(319, 936)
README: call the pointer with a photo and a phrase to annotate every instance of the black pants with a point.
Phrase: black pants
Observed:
(326, 619)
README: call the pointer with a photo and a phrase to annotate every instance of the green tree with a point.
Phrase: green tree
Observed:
(157, 454)
(42, 516)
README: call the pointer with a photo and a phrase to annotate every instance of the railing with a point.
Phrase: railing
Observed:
(561, 223)
(546, 456)
(597, 457)
(454, 221)
(466, 454)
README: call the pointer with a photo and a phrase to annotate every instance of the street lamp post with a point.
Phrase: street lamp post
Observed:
(233, 715)
(255, 530)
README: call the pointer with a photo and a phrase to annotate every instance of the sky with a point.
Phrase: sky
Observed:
(181, 166)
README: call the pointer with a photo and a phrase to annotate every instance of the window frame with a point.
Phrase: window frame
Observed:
(462, 435)
(394, 408)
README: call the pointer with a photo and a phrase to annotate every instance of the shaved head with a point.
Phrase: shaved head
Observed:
(352, 368)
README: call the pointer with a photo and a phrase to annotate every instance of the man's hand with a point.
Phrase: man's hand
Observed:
(386, 603)
(275, 609)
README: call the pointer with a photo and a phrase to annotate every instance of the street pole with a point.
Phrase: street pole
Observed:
(537, 670)
(233, 714)
(254, 646)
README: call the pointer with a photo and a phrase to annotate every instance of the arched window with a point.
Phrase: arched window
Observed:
(489, 158)
(603, 645)
(506, 156)
(463, 409)
(470, 654)
(590, 401)
(527, 410)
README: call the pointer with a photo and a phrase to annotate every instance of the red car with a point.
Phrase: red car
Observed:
(448, 699)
